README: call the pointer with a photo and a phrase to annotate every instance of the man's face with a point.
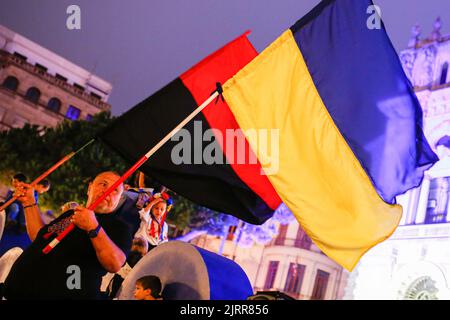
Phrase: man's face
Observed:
(100, 184)
(140, 293)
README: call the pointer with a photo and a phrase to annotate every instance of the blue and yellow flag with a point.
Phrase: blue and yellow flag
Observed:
(350, 136)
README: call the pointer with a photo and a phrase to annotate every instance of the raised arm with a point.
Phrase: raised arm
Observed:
(33, 218)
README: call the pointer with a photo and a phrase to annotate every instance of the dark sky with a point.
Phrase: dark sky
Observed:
(141, 45)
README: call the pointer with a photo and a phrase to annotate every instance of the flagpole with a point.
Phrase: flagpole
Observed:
(47, 173)
(136, 166)
(141, 180)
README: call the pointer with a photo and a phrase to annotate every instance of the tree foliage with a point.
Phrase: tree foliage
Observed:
(32, 150)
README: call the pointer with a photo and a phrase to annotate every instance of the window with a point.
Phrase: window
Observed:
(231, 232)
(437, 200)
(96, 96)
(271, 273)
(302, 240)
(20, 56)
(89, 117)
(76, 85)
(282, 229)
(73, 113)
(41, 67)
(33, 94)
(60, 77)
(54, 104)
(294, 278)
(11, 83)
(444, 72)
(320, 286)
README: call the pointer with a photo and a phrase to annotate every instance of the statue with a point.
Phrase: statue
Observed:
(415, 36)
(441, 196)
(436, 34)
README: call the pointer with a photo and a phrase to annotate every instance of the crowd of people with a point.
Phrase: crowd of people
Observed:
(104, 246)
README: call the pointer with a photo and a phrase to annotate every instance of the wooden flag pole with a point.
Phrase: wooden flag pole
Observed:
(47, 173)
(136, 166)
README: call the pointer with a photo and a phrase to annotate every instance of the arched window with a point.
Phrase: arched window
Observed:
(444, 72)
(33, 94)
(11, 83)
(54, 104)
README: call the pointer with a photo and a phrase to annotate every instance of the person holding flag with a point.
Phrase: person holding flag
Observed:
(348, 121)
(99, 244)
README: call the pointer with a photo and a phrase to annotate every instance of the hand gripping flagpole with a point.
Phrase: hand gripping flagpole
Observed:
(136, 166)
(47, 173)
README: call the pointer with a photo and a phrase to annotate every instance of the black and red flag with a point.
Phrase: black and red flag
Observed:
(226, 184)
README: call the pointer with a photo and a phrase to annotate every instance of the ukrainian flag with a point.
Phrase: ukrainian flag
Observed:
(350, 136)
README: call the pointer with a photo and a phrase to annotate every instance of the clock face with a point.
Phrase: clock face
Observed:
(423, 288)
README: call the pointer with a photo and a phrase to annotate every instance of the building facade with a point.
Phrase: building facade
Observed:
(38, 86)
(289, 263)
(414, 263)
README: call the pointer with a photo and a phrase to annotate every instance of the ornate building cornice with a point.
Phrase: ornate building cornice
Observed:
(7, 59)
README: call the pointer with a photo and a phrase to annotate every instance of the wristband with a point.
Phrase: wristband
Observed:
(31, 205)
(93, 233)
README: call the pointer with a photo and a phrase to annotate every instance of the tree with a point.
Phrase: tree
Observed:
(32, 150)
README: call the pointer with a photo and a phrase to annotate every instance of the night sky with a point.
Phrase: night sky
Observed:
(141, 45)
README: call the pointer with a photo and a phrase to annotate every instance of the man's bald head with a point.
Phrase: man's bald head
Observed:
(97, 187)
(108, 173)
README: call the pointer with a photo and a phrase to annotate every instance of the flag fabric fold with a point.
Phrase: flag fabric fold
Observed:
(218, 180)
(350, 136)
